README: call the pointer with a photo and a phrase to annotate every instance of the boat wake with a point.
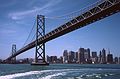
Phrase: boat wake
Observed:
(60, 73)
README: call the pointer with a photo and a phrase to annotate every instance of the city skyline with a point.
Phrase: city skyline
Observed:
(17, 20)
(84, 56)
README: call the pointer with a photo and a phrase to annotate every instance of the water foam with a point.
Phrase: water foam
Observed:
(58, 72)
(19, 75)
(53, 75)
(11, 76)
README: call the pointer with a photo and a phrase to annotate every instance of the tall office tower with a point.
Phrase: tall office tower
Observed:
(103, 54)
(100, 57)
(109, 58)
(65, 56)
(71, 57)
(81, 57)
(0, 60)
(61, 59)
(76, 57)
(48, 59)
(119, 60)
(87, 55)
(94, 58)
(88, 50)
(53, 59)
(116, 60)
(94, 54)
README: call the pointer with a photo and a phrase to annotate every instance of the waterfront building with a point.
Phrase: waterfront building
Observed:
(61, 59)
(116, 60)
(65, 56)
(103, 58)
(119, 60)
(76, 57)
(94, 57)
(100, 57)
(87, 55)
(71, 57)
(53, 59)
(109, 58)
(48, 59)
(81, 57)
(94, 54)
(0, 60)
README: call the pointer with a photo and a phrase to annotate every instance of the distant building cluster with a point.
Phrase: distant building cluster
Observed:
(85, 56)
(18, 61)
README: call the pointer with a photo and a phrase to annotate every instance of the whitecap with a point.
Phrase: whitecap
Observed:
(19, 75)
(53, 75)
(11, 76)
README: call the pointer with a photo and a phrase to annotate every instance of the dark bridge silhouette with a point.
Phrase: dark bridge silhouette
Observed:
(93, 13)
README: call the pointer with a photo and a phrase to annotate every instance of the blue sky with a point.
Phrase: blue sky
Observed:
(17, 18)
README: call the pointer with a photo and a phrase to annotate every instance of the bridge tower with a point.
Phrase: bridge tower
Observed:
(13, 60)
(40, 48)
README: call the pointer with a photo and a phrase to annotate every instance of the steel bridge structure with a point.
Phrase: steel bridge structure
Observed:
(90, 14)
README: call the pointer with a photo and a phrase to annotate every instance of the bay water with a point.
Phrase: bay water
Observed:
(60, 71)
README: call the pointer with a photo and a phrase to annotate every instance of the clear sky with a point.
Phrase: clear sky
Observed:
(17, 18)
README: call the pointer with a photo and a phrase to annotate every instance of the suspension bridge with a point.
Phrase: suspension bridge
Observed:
(88, 15)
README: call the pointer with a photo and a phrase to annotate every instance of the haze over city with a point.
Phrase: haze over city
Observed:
(17, 18)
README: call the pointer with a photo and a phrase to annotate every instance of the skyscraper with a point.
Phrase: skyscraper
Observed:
(116, 60)
(119, 60)
(65, 56)
(109, 58)
(71, 57)
(48, 59)
(81, 57)
(76, 57)
(103, 58)
(94, 54)
(94, 58)
(87, 55)
(100, 57)
(53, 59)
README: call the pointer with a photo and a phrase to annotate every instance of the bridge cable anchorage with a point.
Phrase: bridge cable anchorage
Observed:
(29, 33)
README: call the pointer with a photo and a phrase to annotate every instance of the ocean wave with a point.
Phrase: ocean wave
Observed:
(11, 76)
(19, 75)
(47, 74)
(93, 76)
(53, 75)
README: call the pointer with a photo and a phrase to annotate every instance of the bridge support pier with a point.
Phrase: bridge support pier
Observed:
(13, 60)
(40, 48)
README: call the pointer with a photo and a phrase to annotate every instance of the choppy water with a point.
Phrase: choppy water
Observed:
(60, 71)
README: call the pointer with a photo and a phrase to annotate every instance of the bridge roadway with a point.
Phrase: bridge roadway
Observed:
(95, 12)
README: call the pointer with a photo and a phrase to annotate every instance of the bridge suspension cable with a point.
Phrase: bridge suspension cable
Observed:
(74, 14)
(30, 34)
(65, 16)
(33, 38)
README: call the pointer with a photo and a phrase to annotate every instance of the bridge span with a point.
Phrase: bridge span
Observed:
(93, 13)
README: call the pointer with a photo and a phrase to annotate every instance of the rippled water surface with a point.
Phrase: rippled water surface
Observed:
(60, 71)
